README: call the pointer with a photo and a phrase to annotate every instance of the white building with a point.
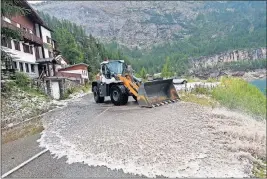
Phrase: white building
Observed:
(36, 42)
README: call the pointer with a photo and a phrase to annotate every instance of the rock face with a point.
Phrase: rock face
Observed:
(130, 23)
(231, 56)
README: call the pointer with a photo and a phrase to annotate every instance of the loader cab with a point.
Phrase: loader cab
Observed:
(110, 68)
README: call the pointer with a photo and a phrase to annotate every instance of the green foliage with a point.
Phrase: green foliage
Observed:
(7, 87)
(246, 65)
(211, 80)
(22, 79)
(143, 73)
(76, 89)
(193, 98)
(210, 33)
(77, 46)
(236, 93)
(259, 171)
(167, 69)
(11, 8)
(201, 90)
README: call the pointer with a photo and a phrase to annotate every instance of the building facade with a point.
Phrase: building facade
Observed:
(36, 42)
(77, 72)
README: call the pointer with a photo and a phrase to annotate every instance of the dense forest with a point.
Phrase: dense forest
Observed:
(76, 46)
(229, 26)
(210, 33)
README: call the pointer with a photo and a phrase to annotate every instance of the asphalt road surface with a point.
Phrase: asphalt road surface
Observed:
(85, 139)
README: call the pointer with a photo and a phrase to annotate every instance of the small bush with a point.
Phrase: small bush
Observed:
(236, 93)
(22, 80)
(211, 80)
(201, 90)
(188, 97)
(7, 87)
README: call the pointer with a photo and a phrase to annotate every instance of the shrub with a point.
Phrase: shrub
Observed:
(8, 86)
(236, 93)
(22, 80)
(211, 80)
(201, 90)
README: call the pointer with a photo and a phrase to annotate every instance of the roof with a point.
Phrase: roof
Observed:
(34, 15)
(105, 62)
(40, 60)
(73, 66)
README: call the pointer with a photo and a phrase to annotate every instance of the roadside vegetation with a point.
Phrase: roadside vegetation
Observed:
(236, 93)
(21, 82)
(77, 89)
(233, 93)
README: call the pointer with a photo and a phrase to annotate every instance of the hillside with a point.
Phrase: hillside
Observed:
(142, 24)
(148, 32)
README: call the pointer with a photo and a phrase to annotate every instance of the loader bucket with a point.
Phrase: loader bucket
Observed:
(156, 92)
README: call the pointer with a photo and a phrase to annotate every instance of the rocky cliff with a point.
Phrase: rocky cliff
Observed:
(231, 56)
(141, 24)
(210, 66)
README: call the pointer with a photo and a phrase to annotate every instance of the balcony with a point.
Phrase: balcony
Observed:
(28, 37)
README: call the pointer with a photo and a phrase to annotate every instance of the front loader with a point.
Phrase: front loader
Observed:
(118, 82)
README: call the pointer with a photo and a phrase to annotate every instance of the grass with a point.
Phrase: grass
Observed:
(77, 89)
(212, 80)
(233, 93)
(259, 171)
(198, 99)
(236, 93)
(21, 131)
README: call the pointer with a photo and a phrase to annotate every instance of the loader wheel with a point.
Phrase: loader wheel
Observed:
(117, 96)
(97, 97)
(125, 99)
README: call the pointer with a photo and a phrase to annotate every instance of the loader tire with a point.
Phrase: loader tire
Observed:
(97, 97)
(118, 96)
(125, 99)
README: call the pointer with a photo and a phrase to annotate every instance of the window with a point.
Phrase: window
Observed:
(14, 65)
(17, 45)
(27, 49)
(103, 69)
(21, 66)
(32, 68)
(48, 39)
(50, 54)
(27, 67)
(31, 51)
(6, 42)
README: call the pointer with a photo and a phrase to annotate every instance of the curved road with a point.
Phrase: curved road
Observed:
(85, 139)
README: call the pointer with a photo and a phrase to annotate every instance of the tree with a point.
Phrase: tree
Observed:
(143, 73)
(166, 70)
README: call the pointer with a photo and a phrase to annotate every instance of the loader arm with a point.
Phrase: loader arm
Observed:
(129, 84)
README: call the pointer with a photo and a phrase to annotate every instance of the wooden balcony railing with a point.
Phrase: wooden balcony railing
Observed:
(27, 35)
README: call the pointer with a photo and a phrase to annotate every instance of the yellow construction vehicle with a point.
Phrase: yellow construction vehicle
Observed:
(117, 81)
